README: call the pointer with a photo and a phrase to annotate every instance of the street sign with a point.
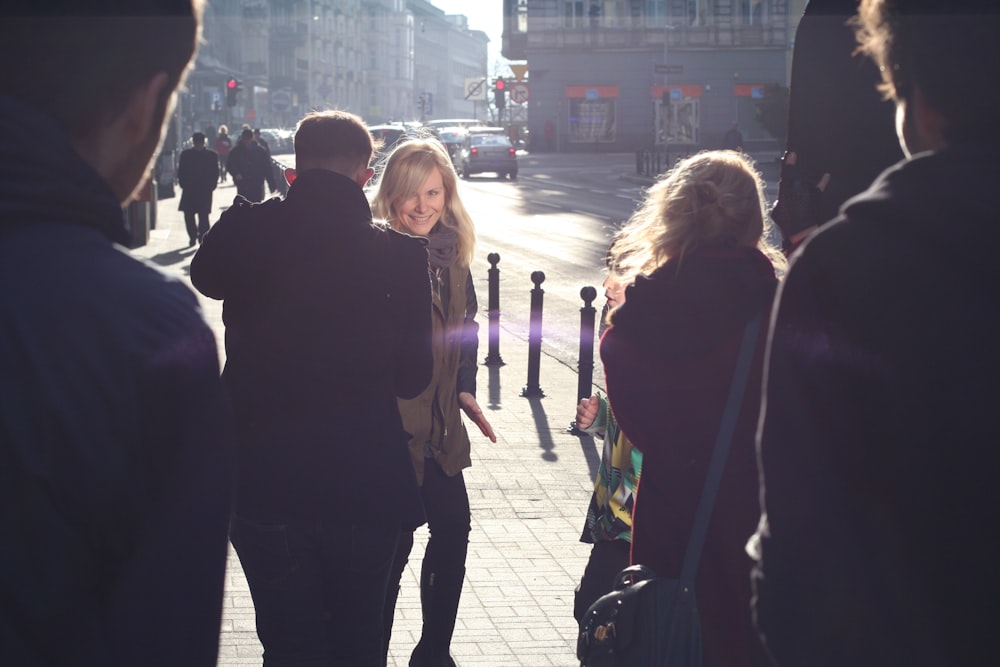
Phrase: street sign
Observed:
(281, 100)
(519, 93)
(475, 88)
(519, 71)
(668, 69)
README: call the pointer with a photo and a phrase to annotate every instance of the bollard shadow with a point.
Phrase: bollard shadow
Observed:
(174, 256)
(590, 452)
(494, 388)
(543, 429)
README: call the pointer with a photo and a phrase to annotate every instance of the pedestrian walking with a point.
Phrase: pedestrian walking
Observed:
(733, 138)
(250, 166)
(418, 195)
(223, 145)
(198, 175)
(327, 323)
(878, 541)
(115, 433)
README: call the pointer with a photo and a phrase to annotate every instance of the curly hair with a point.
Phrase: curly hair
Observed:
(405, 170)
(710, 198)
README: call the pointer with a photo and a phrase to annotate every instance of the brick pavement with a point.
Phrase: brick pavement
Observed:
(528, 494)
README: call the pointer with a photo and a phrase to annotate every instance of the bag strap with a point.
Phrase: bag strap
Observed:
(722, 442)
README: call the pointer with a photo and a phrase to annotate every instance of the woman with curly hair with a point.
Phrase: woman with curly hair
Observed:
(703, 270)
(418, 194)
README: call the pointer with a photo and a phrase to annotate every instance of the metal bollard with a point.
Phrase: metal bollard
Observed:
(493, 356)
(532, 390)
(585, 366)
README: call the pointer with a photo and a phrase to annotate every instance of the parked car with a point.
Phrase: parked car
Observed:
(278, 140)
(452, 138)
(487, 150)
(451, 122)
(387, 136)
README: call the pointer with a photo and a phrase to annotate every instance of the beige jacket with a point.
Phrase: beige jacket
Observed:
(434, 418)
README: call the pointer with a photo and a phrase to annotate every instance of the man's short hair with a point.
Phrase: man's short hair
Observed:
(947, 49)
(339, 136)
(79, 62)
(247, 133)
(198, 137)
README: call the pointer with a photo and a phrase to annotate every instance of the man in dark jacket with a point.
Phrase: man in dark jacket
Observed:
(328, 320)
(114, 464)
(250, 166)
(197, 174)
(878, 448)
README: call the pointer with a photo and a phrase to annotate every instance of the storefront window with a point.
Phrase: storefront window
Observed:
(591, 120)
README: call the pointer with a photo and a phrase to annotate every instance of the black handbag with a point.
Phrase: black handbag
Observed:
(650, 621)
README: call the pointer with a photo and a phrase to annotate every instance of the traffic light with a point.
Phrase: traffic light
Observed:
(232, 89)
(500, 93)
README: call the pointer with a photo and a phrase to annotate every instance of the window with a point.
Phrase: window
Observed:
(591, 121)
(678, 120)
(575, 14)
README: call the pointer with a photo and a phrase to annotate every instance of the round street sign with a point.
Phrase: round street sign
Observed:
(519, 93)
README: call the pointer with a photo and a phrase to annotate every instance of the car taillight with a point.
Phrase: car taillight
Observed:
(512, 151)
(473, 152)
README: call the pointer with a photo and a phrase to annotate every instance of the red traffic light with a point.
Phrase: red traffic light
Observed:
(501, 84)
(232, 83)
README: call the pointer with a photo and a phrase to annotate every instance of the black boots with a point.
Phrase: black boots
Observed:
(440, 593)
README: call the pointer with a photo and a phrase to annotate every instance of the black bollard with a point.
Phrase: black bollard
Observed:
(585, 367)
(493, 356)
(532, 390)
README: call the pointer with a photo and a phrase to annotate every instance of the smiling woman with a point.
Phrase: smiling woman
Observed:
(418, 194)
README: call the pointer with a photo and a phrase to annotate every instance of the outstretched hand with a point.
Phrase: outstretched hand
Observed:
(472, 410)
(797, 210)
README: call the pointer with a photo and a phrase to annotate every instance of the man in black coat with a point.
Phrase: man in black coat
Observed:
(250, 166)
(197, 174)
(115, 461)
(328, 321)
(878, 447)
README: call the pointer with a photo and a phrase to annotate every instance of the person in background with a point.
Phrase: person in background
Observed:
(733, 139)
(327, 323)
(223, 145)
(261, 141)
(609, 515)
(418, 195)
(198, 175)
(704, 271)
(250, 166)
(879, 537)
(115, 432)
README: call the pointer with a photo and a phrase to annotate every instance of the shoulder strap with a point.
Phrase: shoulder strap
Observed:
(721, 451)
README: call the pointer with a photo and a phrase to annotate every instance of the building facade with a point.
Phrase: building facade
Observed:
(386, 60)
(620, 75)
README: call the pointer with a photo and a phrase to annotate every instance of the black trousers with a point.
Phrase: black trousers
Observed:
(195, 232)
(442, 573)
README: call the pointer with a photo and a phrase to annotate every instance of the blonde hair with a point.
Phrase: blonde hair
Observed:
(710, 198)
(405, 170)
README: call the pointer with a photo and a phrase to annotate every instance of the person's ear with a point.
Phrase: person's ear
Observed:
(365, 176)
(290, 175)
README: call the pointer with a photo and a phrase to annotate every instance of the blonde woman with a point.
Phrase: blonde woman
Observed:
(703, 272)
(417, 194)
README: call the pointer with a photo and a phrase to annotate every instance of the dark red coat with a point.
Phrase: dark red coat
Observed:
(669, 358)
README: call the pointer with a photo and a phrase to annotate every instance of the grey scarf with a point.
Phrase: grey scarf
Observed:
(442, 246)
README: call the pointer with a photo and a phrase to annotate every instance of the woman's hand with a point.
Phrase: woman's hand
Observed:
(472, 410)
(586, 412)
